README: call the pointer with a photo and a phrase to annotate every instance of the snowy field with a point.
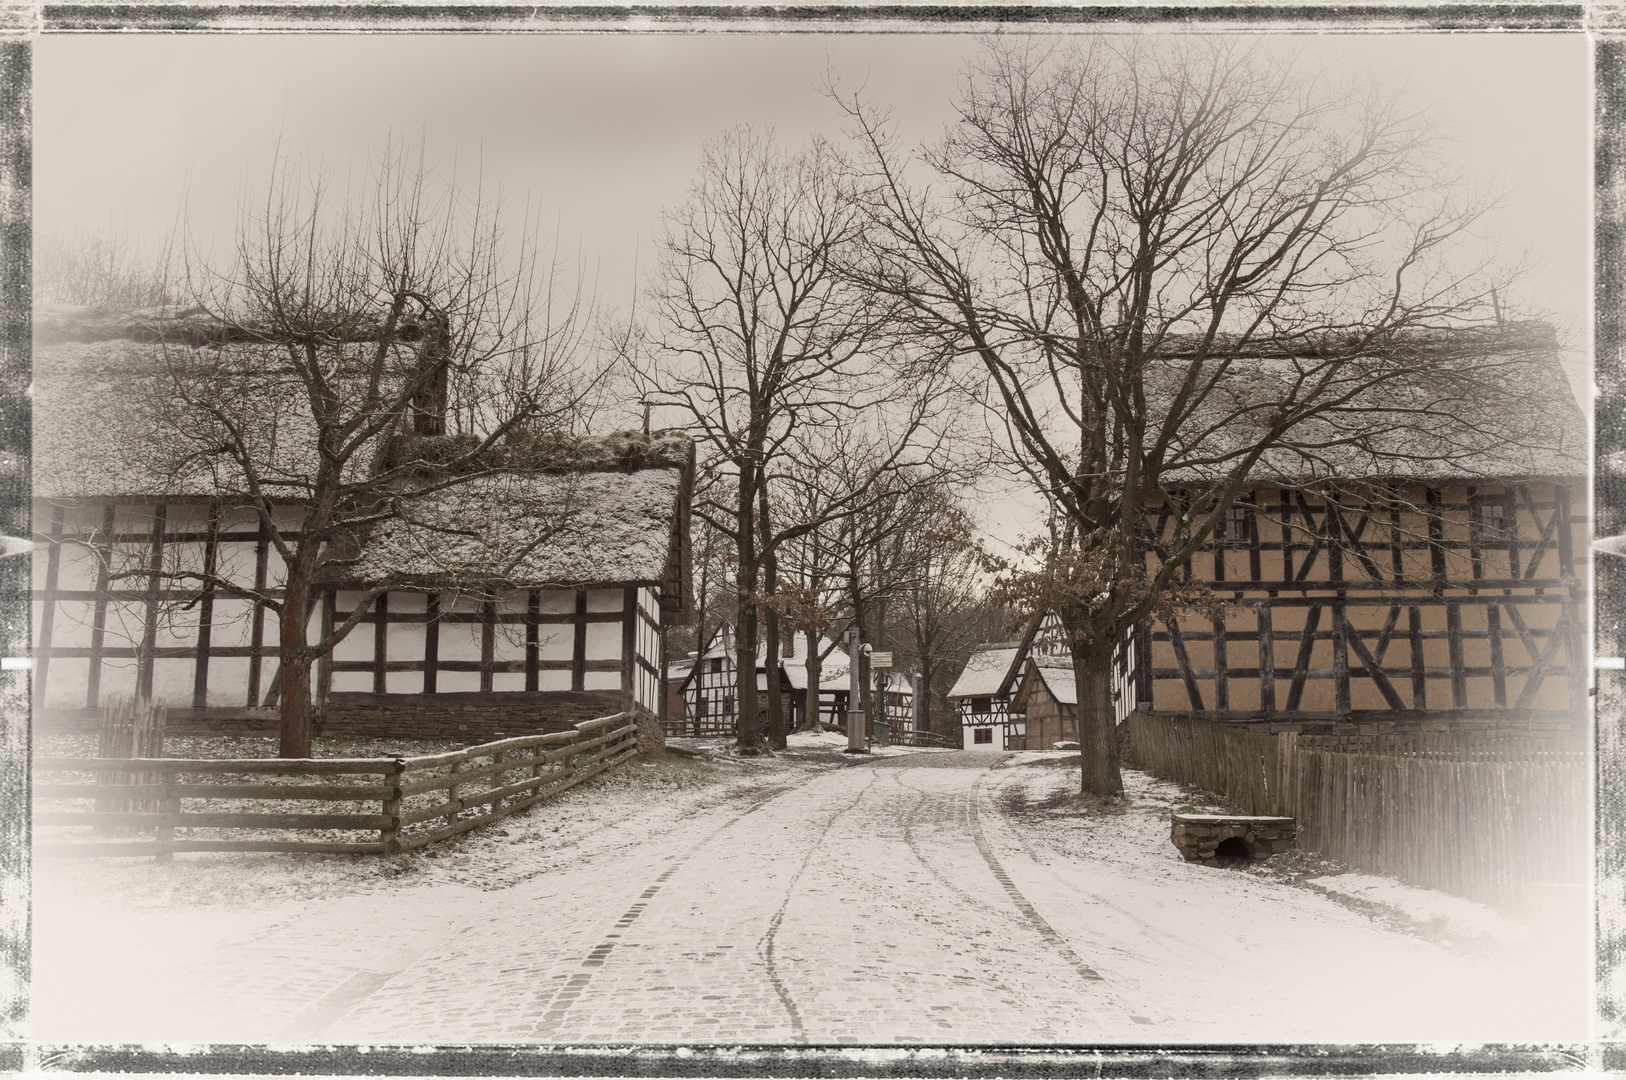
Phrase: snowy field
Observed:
(912, 896)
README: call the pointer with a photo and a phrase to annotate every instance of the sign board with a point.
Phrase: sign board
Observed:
(880, 660)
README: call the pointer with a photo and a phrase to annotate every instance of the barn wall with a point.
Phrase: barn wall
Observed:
(1048, 720)
(1449, 602)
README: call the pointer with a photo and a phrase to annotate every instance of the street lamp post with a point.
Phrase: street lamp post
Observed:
(914, 700)
(856, 742)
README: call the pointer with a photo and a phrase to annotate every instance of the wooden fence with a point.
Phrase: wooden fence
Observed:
(339, 805)
(915, 737)
(1478, 816)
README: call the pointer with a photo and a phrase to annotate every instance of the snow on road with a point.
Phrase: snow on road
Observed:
(916, 896)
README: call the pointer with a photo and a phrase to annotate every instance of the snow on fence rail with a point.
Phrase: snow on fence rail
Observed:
(1476, 815)
(252, 804)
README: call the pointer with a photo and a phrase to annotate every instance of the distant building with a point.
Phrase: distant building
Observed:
(710, 688)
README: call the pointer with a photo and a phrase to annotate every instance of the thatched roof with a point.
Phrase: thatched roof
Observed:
(537, 510)
(1475, 406)
(518, 530)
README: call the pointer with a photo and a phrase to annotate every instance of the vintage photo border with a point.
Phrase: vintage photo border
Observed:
(21, 23)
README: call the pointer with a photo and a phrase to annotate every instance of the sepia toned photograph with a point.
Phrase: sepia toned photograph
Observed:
(910, 540)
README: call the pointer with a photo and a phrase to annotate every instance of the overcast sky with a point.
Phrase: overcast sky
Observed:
(602, 131)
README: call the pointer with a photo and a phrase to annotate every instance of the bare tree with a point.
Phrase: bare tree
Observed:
(1169, 269)
(98, 271)
(364, 358)
(942, 609)
(758, 342)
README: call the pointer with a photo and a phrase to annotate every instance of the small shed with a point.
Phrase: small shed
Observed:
(1047, 698)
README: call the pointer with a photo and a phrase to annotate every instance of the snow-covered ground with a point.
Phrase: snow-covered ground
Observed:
(908, 896)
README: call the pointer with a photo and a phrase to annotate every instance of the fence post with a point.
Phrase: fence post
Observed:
(167, 804)
(390, 834)
(454, 801)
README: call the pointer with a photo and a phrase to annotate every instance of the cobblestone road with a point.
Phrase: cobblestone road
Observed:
(889, 901)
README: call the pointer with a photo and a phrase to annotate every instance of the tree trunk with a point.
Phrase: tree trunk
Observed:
(294, 671)
(923, 700)
(1097, 721)
(748, 735)
(770, 665)
(776, 703)
(815, 672)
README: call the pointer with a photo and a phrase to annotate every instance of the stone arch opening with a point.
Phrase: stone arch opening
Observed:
(1233, 851)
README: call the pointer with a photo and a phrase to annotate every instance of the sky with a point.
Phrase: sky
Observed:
(596, 133)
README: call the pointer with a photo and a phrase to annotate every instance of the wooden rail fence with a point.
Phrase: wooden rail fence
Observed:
(1478, 816)
(341, 805)
(915, 737)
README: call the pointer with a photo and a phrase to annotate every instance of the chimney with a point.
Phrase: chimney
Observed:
(428, 407)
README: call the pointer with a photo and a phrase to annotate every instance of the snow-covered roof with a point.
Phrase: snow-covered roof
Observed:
(983, 674)
(528, 531)
(111, 420)
(1055, 673)
(1462, 406)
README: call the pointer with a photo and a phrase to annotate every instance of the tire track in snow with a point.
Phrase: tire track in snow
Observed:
(1174, 940)
(766, 944)
(1029, 912)
(560, 1003)
(913, 846)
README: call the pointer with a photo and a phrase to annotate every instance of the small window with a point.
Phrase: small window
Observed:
(1495, 522)
(728, 706)
(980, 705)
(982, 735)
(700, 707)
(715, 665)
(1235, 527)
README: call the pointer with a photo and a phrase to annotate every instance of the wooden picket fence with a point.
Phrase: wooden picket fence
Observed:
(1225, 759)
(339, 805)
(1472, 814)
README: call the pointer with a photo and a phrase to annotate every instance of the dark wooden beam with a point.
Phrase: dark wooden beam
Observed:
(578, 671)
(1301, 665)
(206, 612)
(149, 619)
(431, 643)
(53, 564)
(98, 618)
(1370, 664)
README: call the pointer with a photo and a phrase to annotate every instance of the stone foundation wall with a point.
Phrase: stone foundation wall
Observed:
(476, 717)
(471, 717)
(1198, 836)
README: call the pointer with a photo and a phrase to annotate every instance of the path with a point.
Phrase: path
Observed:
(895, 900)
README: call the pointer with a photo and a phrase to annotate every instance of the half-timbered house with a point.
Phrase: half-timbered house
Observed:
(527, 597)
(1390, 584)
(984, 712)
